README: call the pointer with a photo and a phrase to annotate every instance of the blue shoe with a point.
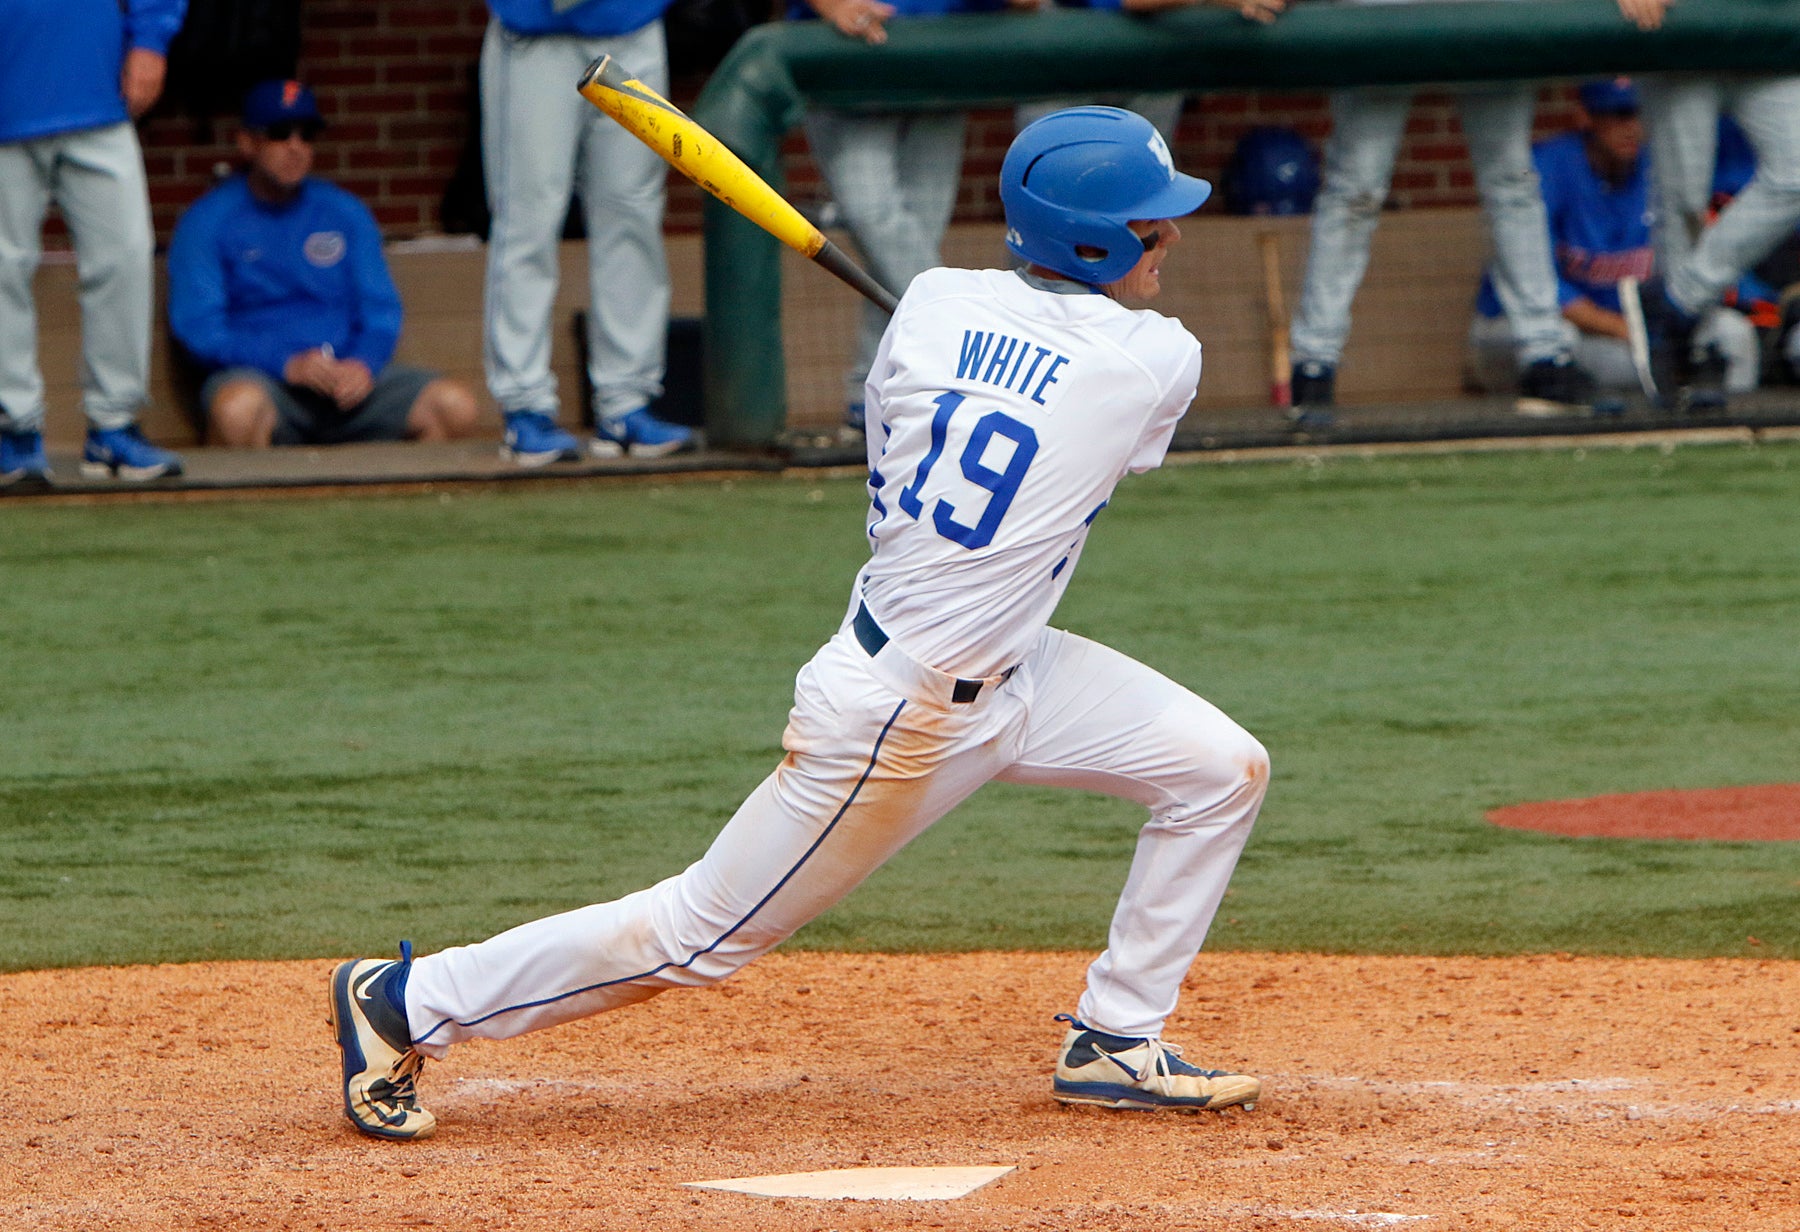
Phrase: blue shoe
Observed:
(1119, 1071)
(123, 453)
(22, 460)
(641, 435)
(381, 1066)
(533, 439)
(854, 428)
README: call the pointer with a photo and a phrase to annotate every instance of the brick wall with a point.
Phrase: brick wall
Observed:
(395, 77)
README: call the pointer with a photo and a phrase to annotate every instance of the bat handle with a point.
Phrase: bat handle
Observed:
(832, 258)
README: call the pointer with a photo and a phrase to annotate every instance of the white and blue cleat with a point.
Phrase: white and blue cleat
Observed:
(381, 1067)
(1120, 1071)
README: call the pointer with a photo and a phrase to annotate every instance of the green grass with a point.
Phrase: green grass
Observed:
(310, 727)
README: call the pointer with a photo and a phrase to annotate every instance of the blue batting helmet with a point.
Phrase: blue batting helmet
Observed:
(1272, 171)
(1075, 178)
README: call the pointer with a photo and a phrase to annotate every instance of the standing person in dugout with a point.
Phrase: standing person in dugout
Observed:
(540, 143)
(1367, 124)
(1697, 263)
(74, 74)
(1004, 407)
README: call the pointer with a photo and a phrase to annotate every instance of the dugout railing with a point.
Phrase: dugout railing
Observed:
(758, 94)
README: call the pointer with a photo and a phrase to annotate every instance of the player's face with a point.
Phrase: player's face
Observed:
(1145, 279)
(1619, 139)
(281, 157)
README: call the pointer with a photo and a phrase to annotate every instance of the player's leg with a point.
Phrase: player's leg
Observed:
(1681, 119)
(1104, 722)
(444, 410)
(24, 200)
(1497, 124)
(1366, 127)
(622, 193)
(866, 772)
(1766, 211)
(530, 122)
(1732, 335)
(240, 409)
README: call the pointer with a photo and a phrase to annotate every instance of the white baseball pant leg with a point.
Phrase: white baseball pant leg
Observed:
(895, 178)
(1496, 121)
(1492, 366)
(537, 133)
(97, 178)
(868, 769)
(1700, 262)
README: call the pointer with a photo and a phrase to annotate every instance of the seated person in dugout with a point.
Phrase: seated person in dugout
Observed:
(1595, 183)
(278, 287)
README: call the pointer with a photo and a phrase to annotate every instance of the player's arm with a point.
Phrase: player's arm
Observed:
(1590, 318)
(863, 19)
(150, 26)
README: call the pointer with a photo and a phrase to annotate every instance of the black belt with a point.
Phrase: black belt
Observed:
(871, 637)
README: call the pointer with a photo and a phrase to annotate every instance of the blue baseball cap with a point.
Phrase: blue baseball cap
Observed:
(1612, 96)
(278, 102)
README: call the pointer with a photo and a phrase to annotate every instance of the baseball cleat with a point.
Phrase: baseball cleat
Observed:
(1121, 1071)
(1552, 387)
(123, 453)
(533, 439)
(380, 1064)
(22, 460)
(641, 435)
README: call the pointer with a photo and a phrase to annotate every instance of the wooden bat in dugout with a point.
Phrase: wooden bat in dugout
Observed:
(1280, 358)
(706, 160)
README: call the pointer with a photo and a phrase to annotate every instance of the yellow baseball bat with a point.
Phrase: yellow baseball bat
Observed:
(706, 160)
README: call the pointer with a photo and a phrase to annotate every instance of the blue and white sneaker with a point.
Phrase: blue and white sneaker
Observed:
(123, 453)
(639, 434)
(533, 439)
(1121, 1071)
(22, 460)
(381, 1067)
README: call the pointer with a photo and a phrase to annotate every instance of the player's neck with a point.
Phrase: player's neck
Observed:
(1060, 283)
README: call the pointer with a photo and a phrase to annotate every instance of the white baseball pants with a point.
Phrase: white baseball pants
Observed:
(1366, 129)
(540, 141)
(1682, 114)
(877, 752)
(96, 177)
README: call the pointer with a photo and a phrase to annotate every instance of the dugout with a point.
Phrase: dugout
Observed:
(761, 89)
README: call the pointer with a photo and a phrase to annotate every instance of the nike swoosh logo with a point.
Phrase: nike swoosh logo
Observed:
(360, 990)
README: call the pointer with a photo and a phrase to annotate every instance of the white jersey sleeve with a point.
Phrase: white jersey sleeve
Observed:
(1000, 417)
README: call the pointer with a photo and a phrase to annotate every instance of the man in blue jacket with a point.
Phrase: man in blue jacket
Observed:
(541, 141)
(277, 283)
(73, 75)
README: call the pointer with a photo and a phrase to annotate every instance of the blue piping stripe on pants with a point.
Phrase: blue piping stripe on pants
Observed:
(874, 756)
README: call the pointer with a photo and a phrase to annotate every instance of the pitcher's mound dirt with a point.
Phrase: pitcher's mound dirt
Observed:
(1451, 1095)
(1733, 814)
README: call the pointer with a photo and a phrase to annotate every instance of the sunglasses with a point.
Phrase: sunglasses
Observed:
(1153, 239)
(281, 130)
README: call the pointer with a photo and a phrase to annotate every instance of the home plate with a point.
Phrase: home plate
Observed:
(864, 1184)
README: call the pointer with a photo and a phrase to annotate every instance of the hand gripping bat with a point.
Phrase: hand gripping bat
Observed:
(704, 159)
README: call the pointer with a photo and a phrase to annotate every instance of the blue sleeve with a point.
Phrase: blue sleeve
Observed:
(200, 306)
(375, 317)
(153, 24)
(1553, 184)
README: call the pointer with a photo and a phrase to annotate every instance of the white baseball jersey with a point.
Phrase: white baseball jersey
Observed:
(1001, 415)
(1000, 418)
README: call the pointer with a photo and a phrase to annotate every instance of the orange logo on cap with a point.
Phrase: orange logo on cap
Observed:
(290, 93)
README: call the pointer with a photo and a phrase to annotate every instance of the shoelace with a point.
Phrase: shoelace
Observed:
(401, 1081)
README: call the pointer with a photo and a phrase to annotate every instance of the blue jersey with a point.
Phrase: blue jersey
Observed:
(593, 18)
(252, 284)
(60, 60)
(1599, 232)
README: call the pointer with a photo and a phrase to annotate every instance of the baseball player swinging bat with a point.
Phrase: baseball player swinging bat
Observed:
(704, 159)
(1280, 361)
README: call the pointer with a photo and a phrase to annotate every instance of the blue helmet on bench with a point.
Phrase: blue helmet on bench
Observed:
(1075, 178)
(1272, 171)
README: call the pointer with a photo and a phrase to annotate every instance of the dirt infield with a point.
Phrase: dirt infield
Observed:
(1731, 814)
(1458, 1094)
